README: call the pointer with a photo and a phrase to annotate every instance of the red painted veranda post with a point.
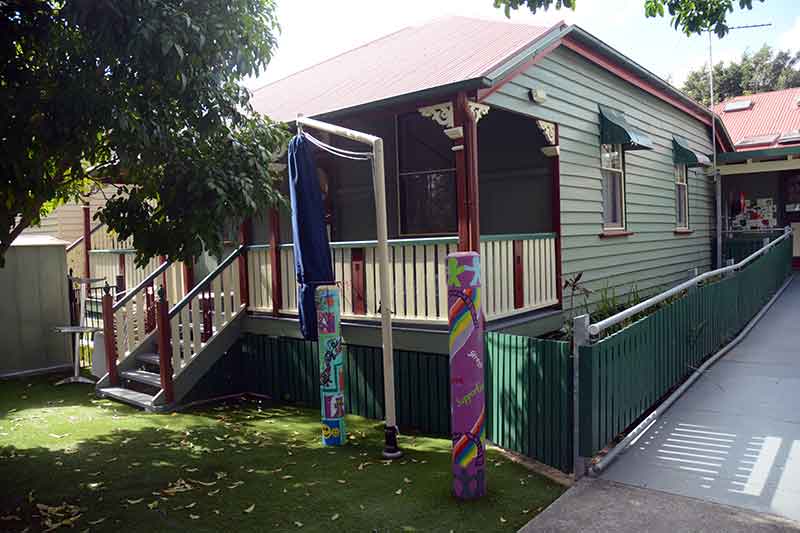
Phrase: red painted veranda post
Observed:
(164, 345)
(87, 240)
(109, 336)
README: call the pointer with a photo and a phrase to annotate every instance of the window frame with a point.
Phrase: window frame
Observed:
(623, 223)
(681, 170)
(399, 187)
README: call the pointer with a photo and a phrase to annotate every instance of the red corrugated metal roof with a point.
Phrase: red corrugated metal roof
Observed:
(771, 115)
(443, 52)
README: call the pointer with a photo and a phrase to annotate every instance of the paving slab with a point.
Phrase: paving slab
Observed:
(600, 506)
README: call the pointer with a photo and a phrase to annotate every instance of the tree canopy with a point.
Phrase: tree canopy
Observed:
(688, 16)
(764, 70)
(140, 93)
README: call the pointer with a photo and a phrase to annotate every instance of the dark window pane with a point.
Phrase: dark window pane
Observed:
(423, 145)
(428, 203)
(612, 198)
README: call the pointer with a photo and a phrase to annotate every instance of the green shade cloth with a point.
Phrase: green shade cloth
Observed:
(614, 129)
(683, 155)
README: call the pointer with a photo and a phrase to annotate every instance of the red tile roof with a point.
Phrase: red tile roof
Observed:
(771, 115)
(443, 52)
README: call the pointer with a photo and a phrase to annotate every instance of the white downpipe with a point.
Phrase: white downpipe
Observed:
(379, 185)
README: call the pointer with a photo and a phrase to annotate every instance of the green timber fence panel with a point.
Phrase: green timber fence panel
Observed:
(529, 397)
(288, 371)
(528, 387)
(625, 374)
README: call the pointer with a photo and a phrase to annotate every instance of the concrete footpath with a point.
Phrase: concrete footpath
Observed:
(598, 505)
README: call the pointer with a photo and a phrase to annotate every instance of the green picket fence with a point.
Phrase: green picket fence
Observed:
(625, 374)
(529, 397)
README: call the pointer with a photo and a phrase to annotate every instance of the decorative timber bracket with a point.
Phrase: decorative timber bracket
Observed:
(443, 115)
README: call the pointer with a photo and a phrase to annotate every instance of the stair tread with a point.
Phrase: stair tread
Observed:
(132, 397)
(143, 376)
(148, 358)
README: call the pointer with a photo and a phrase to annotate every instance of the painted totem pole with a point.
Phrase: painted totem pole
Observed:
(467, 408)
(331, 365)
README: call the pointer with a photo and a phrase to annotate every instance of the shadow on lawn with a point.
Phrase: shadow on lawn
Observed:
(211, 463)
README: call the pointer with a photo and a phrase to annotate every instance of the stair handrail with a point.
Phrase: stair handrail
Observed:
(203, 284)
(80, 239)
(598, 327)
(146, 282)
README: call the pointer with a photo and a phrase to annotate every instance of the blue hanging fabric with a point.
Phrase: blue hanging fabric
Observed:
(312, 252)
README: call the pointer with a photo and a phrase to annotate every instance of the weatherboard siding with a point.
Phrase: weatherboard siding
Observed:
(654, 256)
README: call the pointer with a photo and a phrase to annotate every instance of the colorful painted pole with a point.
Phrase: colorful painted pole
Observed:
(331, 365)
(467, 408)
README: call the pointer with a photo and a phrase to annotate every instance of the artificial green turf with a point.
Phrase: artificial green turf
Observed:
(117, 466)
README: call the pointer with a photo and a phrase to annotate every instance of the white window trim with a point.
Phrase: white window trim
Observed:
(621, 171)
(682, 225)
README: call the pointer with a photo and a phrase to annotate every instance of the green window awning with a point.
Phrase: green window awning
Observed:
(683, 155)
(615, 129)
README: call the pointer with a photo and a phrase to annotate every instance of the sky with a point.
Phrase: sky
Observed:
(315, 30)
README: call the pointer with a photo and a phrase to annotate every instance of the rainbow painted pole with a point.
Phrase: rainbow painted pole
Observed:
(467, 408)
(331, 365)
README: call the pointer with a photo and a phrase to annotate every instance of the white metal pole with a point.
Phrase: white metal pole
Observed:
(379, 184)
(717, 177)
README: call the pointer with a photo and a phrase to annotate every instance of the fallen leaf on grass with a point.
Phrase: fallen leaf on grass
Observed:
(406, 480)
(153, 504)
(56, 436)
(335, 517)
(502, 520)
(526, 511)
(134, 502)
(298, 524)
(342, 481)
(250, 509)
(98, 521)
(204, 483)
(192, 470)
(399, 492)
(10, 517)
(194, 517)
(236, 484)
(286, 477)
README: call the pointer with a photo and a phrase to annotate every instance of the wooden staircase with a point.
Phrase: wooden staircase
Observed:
(156, 354)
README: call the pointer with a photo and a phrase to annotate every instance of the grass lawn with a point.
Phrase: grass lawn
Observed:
(67, 457)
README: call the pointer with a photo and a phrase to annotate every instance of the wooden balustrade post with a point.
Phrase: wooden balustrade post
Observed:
(87, 240)
(519, 277)
(164, 345)
(109, 337)
(275, 260)
(357, 275)
(245, 239)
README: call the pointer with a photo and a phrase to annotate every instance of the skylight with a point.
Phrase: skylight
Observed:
(738, 105)
(758, 140)
(790, 137)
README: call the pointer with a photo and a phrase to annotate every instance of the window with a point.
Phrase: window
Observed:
(426, 178)
(612, 164)
(681, 197)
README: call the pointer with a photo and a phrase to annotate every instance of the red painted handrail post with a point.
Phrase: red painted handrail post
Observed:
(188, 278)
(462, 191)
(149, 308)
(245, 239)
(205, 311)
(519, 278)
(164, 345)
(87, 240)
(109, 337)
(164, 275)
(275, 261)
